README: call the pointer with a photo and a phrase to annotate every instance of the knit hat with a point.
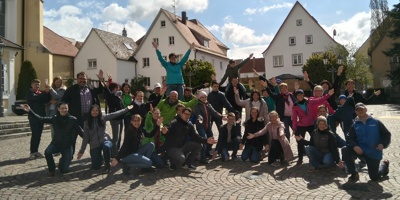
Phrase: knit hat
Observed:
(201, 94)
(342, 97)
(279, 81)
(322, 118)
(299, 91)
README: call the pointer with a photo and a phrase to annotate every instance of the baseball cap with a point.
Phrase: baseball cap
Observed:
(157, 85)
(360, 105)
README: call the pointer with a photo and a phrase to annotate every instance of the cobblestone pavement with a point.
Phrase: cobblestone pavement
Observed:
(21, 178)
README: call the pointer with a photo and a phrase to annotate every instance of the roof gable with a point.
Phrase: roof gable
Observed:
(192, 31)
(121, 47)
(57, 44)
(9, 44)
(295, 6)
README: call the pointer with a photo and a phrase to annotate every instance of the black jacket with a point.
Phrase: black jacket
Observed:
(223, 136)
(142, 110)
(132, 140)
(251, 126)
(73, 98)
(360, 98)
(332, 142)
(280, 101)
(114, 102)
(219, 101)
(37, 101)
(178, 133)
(65, 129)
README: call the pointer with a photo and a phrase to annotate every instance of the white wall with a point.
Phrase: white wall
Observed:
(11, 20)
(280, 45)
(126, 70)
(94, 48)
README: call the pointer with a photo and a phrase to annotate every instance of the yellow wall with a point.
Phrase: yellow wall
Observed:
(63, 66)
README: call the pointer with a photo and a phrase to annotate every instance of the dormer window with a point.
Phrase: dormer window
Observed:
(299, 22)
(128, 46)
(163, 23)
(206, 44)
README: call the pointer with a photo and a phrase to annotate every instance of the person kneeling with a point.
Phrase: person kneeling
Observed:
(321, 150)
(132, 154)
(228, 139)
(66, 128)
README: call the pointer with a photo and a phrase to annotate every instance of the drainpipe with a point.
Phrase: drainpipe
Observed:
(23, 32)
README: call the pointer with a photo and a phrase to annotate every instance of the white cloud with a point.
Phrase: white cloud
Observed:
(251, 11)
(68, 21)
(115, 12)
(237, 52)
(85, 4)
(354, 30)
(228, 18)
(213, 28)
(239, 34)
(197, 6)
(339, 12)
(133, 29)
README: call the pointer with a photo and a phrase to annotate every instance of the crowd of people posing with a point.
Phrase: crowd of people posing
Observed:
(173, 129)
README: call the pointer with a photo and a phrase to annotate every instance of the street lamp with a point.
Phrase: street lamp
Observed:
(332, 70)
(1, 79)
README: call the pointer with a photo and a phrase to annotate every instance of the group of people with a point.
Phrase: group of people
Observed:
(174, 127)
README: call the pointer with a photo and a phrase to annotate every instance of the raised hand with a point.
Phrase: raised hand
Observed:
(164, 130)
(155, 45)
(192, 46)
(109, 76)
(296, 86)
(306, 78)
(331, 92)
(163, 90)
(235, 90)
(211, 140)
(206, 84)
(160, 121)
(130, 107)
(100, 75)
(340, 70)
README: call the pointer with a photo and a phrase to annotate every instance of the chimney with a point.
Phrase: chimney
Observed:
(184, 18)
(124, 33)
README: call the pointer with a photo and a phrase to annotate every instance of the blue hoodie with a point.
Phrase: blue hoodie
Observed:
(174, 71)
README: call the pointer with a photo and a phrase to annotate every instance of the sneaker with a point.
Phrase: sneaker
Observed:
(386, 162)
(276, 164)
(189, 166)
(312, 169)
(354, 177)
(32, 156)
(39, 155)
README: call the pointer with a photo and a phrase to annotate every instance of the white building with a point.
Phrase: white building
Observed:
(299, 37)
(110, 52)
(175, 34)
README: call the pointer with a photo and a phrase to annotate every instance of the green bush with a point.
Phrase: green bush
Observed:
(26, 75)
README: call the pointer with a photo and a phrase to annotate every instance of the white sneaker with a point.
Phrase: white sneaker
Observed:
(32, 156)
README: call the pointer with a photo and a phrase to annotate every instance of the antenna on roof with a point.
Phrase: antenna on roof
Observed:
(107, 25)
(174, 6)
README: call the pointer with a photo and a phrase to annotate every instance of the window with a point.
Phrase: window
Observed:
(2, 17)
(299, 22)
(297, 59)
(146, 62)
(146, 81)
(206, 44)
(220, 65)
(171, 40)
(308, 39)
(92, 63)
(127, 80)
(292, 41)
(128, 46)
(155, 40)
(278, 61)
(163, 23)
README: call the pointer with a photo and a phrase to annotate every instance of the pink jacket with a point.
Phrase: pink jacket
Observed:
(317, 102)
(301, 118)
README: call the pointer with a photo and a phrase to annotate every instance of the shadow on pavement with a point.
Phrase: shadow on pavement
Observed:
(369, 190)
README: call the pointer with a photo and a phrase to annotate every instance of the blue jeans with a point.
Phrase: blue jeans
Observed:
(375, 169)
(37, 129)
(175, 87)
(65, 160)
(140, 159)
(116, 129)
(251, 153)
(97, 158)
(234, 146)
(287, 121)
(157, 160)
(319, 159)
(205, 133)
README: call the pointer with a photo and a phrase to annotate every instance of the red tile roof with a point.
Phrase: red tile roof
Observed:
(58, 45)
(257, 63)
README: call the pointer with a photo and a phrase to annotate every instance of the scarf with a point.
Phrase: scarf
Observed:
(286, 98)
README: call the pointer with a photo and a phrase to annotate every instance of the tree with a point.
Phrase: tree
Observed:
(138, 84)
(379, 10)
(394, 34)
(200, 74)
(25, 77)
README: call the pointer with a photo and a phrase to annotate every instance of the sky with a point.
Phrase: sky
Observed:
(245, 26)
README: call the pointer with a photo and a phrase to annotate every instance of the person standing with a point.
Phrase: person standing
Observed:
(56, 93)
(81, 96)
(37, 100)
(173, 68)
(367, 138)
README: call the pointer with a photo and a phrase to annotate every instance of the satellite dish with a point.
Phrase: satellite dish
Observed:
(334, 32)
